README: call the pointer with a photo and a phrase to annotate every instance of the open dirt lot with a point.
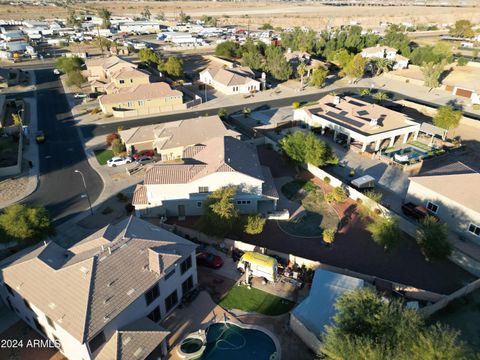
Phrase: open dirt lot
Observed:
(278, 14)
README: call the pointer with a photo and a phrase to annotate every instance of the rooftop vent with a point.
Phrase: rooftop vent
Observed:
(111, 283)
(130, 292)
(336, 100)
(52, 305)
(374, 122)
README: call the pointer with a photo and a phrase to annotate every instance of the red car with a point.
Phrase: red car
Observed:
(210, 260)
(138, 155)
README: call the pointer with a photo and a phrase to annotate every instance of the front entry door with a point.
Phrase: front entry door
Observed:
(181, 211)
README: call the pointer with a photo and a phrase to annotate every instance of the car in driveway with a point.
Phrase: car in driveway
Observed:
(210, 260)
(144, 160)
(143, 153)
(119, 160)
(79, 96)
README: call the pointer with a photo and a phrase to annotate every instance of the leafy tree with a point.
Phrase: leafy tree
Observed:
(301, 40)
(266, 26)
(338, 195)
(355, 68)
(146, 13)
(368, 328)
(184, 18)
(69, 64)
(340, 57)
(72, 20)
(395, 38)
(447, 118)
(227, 49)
(431, 74)
(117, 146)
(277, 64)
(173, 67)
(318, 77)
(462, 28)
(432, 54)
(301, 71)
(21, 222)
(219, 212)
(102, 42)
(149, 57)
(254, 225)
(364, 92)
(75, 78)
(385, 231)
(381, 65)
(307, 148)
(160, 16)
(432, 236)
(110, 137)
(253, 59)
(461, 61)
(209, 20)
(105, 15)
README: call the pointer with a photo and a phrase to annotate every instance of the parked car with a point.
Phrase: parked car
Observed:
(149, 153)
(144, 160)
(209, 260)
(414, 211)
(119, 160)
(40, 137)
(79, 96)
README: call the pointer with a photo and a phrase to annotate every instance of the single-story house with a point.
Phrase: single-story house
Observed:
(143, 99)
(235, 80)
(464, 81)
(309, 318)
(452, 195)
(362, 122)
(181, 188)
(170, 139)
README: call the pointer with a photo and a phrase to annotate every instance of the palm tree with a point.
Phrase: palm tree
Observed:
(301, 70)
(381, 66)
(365, 92)
(381, 96)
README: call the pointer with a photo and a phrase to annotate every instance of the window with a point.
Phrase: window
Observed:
(474, 229)
(155, 314)
(50, 322)
(9, 289)
(171, 300)
(96, 342)
(152, 294)
(141, 103)
(199, 204)
(122, 81)
(27, 304)
(185, 265)
(187, 285)
(170, 274)
(432, 207)
(203, 189)
(243, 202)
(130, 104)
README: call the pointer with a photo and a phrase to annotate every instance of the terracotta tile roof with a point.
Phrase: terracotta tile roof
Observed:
(141, 92)
(231, 76)
(83, 288)
(140, 195)
(127, 73)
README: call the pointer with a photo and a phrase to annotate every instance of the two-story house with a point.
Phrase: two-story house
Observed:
(180, 189)
(104, 297)
(386, 52)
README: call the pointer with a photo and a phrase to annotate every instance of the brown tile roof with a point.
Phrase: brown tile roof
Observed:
(140, 195)
(83, 288)
(463, 188)
(127, 73)
(141, 92)
(230, 77)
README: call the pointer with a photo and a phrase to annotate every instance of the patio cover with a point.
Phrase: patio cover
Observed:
(433, 130)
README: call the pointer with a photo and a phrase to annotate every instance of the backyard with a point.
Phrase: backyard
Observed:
(254, 300)
(8, 151)
(103, 156)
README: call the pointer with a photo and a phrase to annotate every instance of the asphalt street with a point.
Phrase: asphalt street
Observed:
(60, 189)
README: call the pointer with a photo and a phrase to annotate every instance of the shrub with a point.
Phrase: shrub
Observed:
(326, 179)
(117, 147)
(295, 104)
(94, 111)
(338, 195)
(21, 222)
(352, 173)
(462, 61)
(254, 224)
(385, 231)
(329, 235)
(432, 236)
(373, 195)
(110, 137)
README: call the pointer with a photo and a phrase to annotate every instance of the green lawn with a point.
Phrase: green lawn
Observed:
(103, 156)
(254, 300)
(421, 145)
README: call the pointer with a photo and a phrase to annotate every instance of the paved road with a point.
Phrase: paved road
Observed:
(90, 131)
(60, 189)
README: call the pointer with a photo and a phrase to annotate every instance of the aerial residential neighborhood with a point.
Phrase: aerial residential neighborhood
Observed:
(259, 180)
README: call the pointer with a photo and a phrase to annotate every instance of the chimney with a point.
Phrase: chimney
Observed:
(155, 262)
(374, 122)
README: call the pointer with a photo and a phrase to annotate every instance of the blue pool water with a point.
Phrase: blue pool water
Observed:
(411, 152)
(229, 341)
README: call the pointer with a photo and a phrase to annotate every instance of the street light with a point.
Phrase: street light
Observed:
(86, 191)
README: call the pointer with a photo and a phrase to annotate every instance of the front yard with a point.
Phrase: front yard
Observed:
(103, 156)
(254, 300)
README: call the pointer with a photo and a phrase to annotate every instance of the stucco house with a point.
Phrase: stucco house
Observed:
(452, 195)
(142, 99)
(386, 52)
(180, 189)
(229, 81)
(169, 139)
(364, 124)
(103, 68)
(102, 298)
(126, 77)
(464, 81)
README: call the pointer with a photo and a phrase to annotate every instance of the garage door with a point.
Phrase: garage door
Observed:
(464, 93)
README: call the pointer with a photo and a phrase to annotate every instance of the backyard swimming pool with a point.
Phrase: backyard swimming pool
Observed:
(232, 342)
(406, 154)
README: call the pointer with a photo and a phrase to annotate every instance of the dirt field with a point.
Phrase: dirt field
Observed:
(278, 14)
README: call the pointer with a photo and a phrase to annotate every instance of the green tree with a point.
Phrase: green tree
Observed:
(364, 92)
(72, 20)
(254, 225)
(146, 13)
(227, 49)
(307, 148)
(340, 57)
(160, 16)
(432, 237)
(68, 64)
(355, 69)
(318, 77)
(117, 146)
(184, 18)
(301, 71)
(252, 58)
(338, 195)
(266, 26)
(381, 65)
(461, 61)
(277, 64)
(105, 15)
(385, 231)
(149, 57)
(431, 74)
(447, 118)
(209, 20)
(21, 222)
(395, 38)
(219, 212)
(173, 67)
(462, 28)
(75, 78)
(381, 96)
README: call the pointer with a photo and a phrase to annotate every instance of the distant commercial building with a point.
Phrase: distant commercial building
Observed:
(102, 298)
